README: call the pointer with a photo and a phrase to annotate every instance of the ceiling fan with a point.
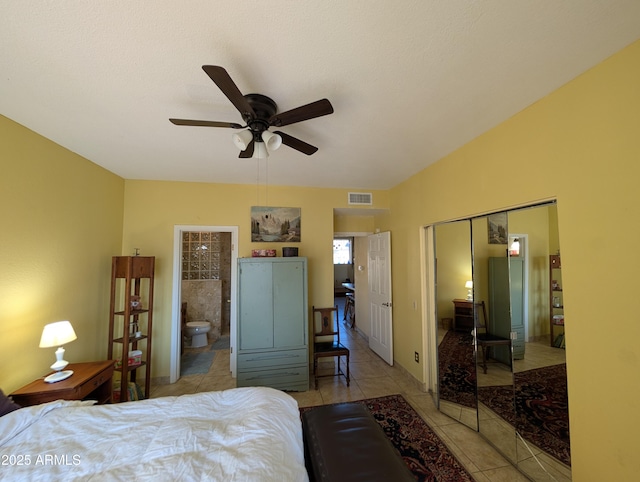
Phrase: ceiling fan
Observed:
(259, 112)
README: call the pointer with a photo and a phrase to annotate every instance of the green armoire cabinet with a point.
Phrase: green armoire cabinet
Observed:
(506, 304)
(273, 323)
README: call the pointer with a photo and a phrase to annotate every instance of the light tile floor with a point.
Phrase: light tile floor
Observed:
(370, 377)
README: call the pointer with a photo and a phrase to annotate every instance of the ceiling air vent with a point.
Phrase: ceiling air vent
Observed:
(362, 198)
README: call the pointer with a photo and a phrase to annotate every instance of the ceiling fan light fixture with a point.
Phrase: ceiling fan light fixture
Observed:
(271, 141)
(242, 139)
(260, 151)
(259, 112)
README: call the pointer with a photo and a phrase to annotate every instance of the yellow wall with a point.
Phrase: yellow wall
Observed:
(453, 253)
(353, 224)
(579, 145)
(61, 219)
(361, 277)
(153, 208)
(537, 223)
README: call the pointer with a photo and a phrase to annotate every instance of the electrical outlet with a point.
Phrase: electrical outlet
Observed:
(416, 356)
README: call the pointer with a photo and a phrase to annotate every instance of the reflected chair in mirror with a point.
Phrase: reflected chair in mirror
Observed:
(326, 342)
(485, 339)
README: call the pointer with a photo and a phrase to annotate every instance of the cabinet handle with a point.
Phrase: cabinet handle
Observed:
(271, 357)
(273, 375)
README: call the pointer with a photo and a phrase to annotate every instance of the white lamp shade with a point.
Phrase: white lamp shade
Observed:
(242, 139)
(271, 141)
(57, 334)
(469, 286)
(260, 151)
(514, 249)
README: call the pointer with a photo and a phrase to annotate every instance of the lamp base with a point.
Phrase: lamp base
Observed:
(58, 376)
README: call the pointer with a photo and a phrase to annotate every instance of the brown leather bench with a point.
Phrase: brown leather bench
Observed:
(343, 442)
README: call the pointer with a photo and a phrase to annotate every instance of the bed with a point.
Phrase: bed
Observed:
(246, 434)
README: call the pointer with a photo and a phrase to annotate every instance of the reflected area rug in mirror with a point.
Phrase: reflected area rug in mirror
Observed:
(542, 408)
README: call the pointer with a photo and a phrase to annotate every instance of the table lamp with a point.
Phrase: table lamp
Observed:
(58, 334)
(469, 286)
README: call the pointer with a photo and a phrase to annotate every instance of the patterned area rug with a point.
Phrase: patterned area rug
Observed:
(542, 406)
(457, 369)
(422, 450)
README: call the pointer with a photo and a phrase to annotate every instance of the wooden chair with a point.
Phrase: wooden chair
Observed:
(485, 339)
(326, 341)
(350, 310)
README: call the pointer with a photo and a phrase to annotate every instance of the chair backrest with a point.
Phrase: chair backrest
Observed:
(480, 308)
(328, 322)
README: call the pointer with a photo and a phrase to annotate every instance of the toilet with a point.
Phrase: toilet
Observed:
(198, 330)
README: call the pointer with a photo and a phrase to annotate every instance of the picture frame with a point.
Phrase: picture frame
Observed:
(497, 228)
(275, 224)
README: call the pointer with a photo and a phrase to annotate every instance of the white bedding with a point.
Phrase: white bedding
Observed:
(244, 434)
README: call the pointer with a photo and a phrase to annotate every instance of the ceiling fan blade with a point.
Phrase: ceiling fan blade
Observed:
(248, 152)
(229, 88)
(202, 123)
(296, 143)
(302, 113)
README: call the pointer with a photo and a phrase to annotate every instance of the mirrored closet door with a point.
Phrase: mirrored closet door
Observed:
(517, 335)
(492, 304)
(456, 350)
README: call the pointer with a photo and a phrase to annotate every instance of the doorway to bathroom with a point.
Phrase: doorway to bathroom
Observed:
(203, 311)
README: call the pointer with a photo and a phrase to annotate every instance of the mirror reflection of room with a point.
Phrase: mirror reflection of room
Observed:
(522, 402)
(456, 352)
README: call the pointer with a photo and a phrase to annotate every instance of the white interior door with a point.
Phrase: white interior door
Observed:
(381, 336)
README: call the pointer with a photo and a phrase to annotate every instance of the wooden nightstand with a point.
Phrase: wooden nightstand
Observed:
(463, 315)
(90, 381)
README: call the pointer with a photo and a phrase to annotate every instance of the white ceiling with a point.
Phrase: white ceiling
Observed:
(410, 80)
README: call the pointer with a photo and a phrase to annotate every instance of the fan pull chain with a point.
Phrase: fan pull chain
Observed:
(266, 181)
(257, 182)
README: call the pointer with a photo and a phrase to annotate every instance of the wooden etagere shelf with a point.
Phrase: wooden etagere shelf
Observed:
(556, 303)
(126, 319)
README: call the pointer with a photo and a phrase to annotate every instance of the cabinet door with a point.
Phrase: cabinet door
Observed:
(516, 274)
(255, 329)
(499, 305)
(506, 303)
(289, 304)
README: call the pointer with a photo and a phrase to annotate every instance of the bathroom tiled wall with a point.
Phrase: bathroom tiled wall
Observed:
(204, 302)
(206, 256)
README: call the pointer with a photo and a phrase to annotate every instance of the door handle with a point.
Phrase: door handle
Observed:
(387, 305)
